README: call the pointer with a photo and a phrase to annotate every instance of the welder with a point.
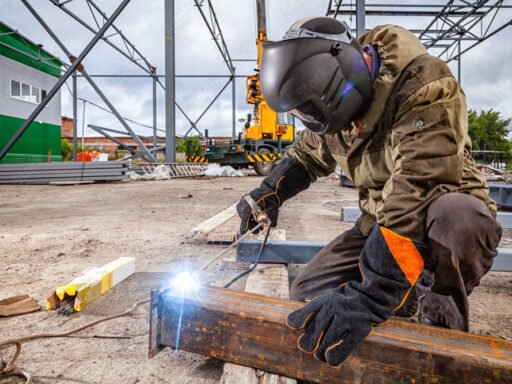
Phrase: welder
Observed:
(394, 119)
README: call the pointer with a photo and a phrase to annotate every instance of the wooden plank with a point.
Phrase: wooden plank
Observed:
(251, 330)
(213, 222)
(224, 233)
(269, 280)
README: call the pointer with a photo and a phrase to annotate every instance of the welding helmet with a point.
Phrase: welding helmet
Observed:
(317, 73)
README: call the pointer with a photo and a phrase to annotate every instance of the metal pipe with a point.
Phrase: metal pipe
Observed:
(14, 138)
(170, 83)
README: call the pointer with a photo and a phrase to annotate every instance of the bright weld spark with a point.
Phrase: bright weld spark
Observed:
(183, 283)
(186, 282)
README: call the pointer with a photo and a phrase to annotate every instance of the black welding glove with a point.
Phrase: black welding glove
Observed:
(337, 321)
(287, 179)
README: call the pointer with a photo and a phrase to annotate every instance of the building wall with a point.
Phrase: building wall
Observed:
(41, 141)
(12, 70)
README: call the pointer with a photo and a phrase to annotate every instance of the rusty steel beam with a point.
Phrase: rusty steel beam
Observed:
(249, 329)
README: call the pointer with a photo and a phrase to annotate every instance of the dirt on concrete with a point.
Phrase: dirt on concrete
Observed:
(49, 234)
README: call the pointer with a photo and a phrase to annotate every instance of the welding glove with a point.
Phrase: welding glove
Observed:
(287, 179)
(337, 321)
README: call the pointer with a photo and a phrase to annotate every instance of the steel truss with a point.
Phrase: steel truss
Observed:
(456, 26)
(128, 50)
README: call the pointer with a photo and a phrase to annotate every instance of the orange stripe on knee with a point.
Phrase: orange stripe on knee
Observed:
(405, 253)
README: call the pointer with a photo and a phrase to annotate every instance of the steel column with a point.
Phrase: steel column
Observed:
(360, 17)
(62, 80)
(155, 140)
(233, 102)
(459, 65)
(75, 115)
(170, 83)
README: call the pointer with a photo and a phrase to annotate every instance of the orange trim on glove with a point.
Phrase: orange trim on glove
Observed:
(405, 253)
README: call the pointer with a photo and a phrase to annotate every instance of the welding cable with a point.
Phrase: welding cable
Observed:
(10, 369)
(256, 262)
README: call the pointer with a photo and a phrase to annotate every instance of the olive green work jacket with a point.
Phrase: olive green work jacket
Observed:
(410, 147)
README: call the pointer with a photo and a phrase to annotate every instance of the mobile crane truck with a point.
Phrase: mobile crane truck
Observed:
(266, 134)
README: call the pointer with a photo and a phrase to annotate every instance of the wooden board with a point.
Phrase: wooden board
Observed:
(251, 330)
(270, 280)
(213, 222)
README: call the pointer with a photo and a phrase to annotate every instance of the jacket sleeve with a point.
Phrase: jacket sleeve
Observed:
(314, 155)
(428, 148)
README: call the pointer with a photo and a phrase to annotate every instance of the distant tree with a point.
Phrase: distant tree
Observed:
(489, 131)
(66, 150)
(196, 148)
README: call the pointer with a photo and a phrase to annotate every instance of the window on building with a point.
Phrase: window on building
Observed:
(36, 95)
(26, 92)
(15, 88)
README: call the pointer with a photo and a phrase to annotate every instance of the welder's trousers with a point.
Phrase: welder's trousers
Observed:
(463, 236)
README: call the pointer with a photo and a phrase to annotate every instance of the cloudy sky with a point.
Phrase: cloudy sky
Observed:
(486, 70)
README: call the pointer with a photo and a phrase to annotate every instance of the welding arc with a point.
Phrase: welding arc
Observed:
(10, 369)
(256, 262)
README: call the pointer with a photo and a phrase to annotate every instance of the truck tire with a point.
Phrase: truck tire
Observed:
(263, 168)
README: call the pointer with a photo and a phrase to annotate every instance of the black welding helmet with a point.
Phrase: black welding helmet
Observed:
(317, 73)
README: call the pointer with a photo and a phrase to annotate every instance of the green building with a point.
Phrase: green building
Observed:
(27, 72)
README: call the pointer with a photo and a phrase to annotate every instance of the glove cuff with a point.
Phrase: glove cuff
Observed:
(288, 178)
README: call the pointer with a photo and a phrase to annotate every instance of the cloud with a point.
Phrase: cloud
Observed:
(486, 72)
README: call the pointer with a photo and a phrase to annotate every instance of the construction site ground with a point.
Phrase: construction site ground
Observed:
(49, 234)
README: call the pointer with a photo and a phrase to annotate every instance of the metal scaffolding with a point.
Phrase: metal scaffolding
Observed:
(454, 27)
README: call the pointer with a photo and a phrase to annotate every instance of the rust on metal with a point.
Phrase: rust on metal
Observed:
(249, 329)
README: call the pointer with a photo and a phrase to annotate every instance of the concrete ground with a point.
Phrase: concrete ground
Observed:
(49, 234)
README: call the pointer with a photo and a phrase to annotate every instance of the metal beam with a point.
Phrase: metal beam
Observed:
(216, 32)
(105, 99)
(105, 39)
(250, 329)
(170, 83)
(302, 252)
(103, 132)
(14, 138)
(402, 13)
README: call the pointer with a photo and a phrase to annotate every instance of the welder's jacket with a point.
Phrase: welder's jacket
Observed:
(410, 147)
